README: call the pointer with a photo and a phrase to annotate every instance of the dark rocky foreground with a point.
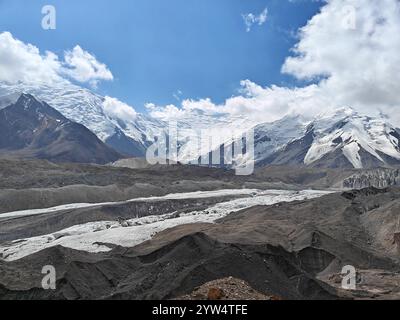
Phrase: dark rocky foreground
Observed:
(290, 250)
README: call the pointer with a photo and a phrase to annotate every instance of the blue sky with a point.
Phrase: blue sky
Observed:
(156, 48)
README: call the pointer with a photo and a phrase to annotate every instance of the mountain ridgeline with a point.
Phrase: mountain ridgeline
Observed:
(343, 138)
(32, 129)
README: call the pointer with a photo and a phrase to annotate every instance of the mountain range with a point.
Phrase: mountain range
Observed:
(339, 139)
(342, 138)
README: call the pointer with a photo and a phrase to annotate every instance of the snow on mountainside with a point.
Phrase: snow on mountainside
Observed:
(339, 139)
(85, 107)
(128, 134)
(270, 137)
(202, 132)
(33, 129)
(364, 141)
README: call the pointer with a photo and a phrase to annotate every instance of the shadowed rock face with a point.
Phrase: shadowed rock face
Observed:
(126, 145)
(33, 129)
(289, 250)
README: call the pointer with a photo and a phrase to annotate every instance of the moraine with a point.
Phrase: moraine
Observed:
(101, 236)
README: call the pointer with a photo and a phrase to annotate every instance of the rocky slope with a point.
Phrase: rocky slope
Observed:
(290, 250)
(32, 129)
(30, 184)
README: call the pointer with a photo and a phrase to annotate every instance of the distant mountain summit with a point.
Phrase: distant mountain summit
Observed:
(129, 136)
(347, 138)
(339, 139)
(30, 128)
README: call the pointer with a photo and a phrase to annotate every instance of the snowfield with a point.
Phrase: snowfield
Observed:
(94, 236)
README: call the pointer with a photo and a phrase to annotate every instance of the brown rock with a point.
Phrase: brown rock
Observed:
(215, 294)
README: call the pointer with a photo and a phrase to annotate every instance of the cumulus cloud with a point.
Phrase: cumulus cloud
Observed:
(349, 54)
(351, 46)
(21, 62)
(116, 109)
(24, 62)
(250, 19)
(254, 105)
(84, 67)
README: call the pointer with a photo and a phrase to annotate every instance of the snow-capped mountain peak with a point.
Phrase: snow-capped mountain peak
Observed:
(341, 138)
(87, 108)
(354, 135)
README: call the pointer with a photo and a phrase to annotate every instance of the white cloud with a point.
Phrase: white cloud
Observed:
(20, 62)
(360, 65)
(352, 63)
(250, 19)
(116, 109)
(84, 67)
(25, 63)
(254, 105)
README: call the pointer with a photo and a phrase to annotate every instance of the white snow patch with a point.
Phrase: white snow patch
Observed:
(350, 151)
